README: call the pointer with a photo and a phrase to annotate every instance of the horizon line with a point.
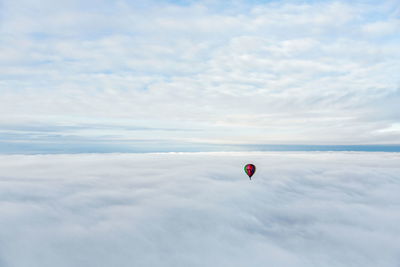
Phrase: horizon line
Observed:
(95, 148)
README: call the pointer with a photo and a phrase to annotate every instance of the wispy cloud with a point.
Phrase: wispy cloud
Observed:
(246, 72)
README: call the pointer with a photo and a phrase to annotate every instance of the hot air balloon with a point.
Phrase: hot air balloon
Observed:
(249, 169)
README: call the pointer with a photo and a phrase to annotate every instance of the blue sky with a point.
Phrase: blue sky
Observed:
(199, 72)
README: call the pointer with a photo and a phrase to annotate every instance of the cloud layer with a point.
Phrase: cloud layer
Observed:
(244, 72)
(199, 209)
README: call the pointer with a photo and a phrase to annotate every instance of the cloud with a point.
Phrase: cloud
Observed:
(199, 209)
(267, 72)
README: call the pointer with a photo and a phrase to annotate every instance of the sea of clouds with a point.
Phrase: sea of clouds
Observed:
(200, 209)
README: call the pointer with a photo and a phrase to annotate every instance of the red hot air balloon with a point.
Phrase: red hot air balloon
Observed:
(249, 169)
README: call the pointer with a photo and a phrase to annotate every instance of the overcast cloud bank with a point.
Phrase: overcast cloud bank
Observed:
(200, 209)
(232, 72)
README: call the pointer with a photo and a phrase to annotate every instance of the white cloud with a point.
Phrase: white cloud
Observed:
(383, 28)
(297, 64)
(301, 209)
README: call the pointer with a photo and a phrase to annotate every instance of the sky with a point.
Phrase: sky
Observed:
(87, 75)
(303, 209)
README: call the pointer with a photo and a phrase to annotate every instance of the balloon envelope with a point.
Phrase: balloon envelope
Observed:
(249, 169)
